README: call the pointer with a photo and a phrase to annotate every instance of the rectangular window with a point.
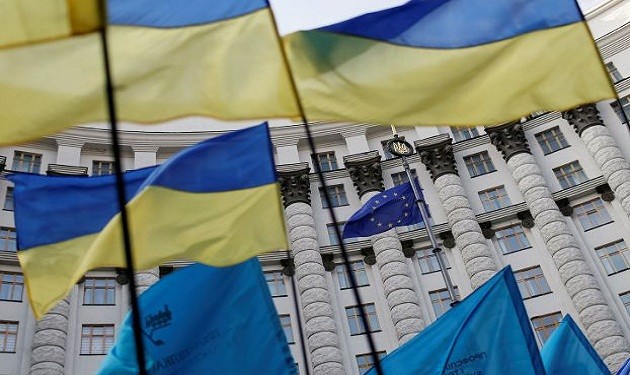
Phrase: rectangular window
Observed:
(551, 140)
(570, 174)
(386, 154)
(275, 282)
(354, 319)
(8, 199)
(99, 291)
(545, 325)
(332, 237)
(7, 239)
(428, 261)
(8, 336)
(615, 257)
(614, 72)
(531, 282)
(26, 162)
(11, 286)
(511, 239)
(358, 270)
(101, 167)
(365, 361)
(625, 105)
(592, 214)
(495, 198)
(327, 161)
(463, 133)
(625, 299)
(96, 339)
(441, 300)
(400, 178)
(337, 196)
(479, 164)
(285, 320)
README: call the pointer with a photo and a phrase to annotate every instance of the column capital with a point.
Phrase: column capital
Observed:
(509, 139)
(436, 153)
(583, 117)
(365, 171)
(295, 184)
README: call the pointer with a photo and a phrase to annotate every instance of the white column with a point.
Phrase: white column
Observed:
(69, 152)
(48, 350)
(356, 139)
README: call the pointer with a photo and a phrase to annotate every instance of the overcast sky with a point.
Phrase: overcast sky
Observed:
(304, 14)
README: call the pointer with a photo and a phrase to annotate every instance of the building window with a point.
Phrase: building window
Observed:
(592, 214)
(337, 196)
(545, 325)
(96, 339)
(495, 198)
(275, 282)
(332, 236)
(531, 282)
(615, 257)
(11, 286)
(625, 299)
(358, 270)
(511, 239)
(285, 320)
(8, 199)
(614, 72)
(625, 105)
(99, 291)
(8, 336)
(551, 140)
(462, 133)
(26, 162)
(365, 361)
(400, 178)
(570, 174)
(441, 300)
(100, 167)
(7, 239)
(428, 261)
(354, 319)
(479, 164)
(327, 161)
(386, 154)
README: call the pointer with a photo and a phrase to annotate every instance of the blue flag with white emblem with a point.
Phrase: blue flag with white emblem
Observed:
(487, 333)
(206, 320)
(393, 207)
(568, 351)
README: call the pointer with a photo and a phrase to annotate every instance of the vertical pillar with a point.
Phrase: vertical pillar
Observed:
(603, 148)
(315, 297)
(365, 172)
(437, 155)
(69, 152)
(48, 350)
(601, 327)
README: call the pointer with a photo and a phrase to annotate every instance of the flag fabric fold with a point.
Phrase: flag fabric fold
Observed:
(449, 62)
(219, 59)
(205, 204)
(205, 320)
(486, 333)
(625, 368)
(391, 208)
(568, 351)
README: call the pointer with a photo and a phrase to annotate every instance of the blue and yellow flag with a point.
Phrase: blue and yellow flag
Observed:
(170, 59)
(206, 204)
(486, 333)
(449, 62)
(568, 351)
(206, 320)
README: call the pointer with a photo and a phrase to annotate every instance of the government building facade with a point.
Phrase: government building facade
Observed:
(548, 195)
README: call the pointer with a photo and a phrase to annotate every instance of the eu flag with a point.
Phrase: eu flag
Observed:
(394, 207)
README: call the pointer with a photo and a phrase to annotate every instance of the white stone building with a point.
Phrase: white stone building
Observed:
(549, 196)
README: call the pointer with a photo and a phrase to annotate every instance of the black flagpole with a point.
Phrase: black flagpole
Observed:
(120, 190)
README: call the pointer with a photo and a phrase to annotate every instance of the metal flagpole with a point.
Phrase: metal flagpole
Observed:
(402, 148)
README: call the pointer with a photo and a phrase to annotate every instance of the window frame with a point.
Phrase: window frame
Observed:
(502, 196)
(364, 368)
(338, 191)
(461, 133)
(8, 235)
(564, 177)
(499, 239)
(6, 334)
(330, 159)
(275, 283)
(106, 345)
(430, 258)
(286, 318)
(625, 300)
(442, 296)
(342, 274)
(580, 212)
(396, 180)
(34, 166)
(8, 197)
(473, 166)
(545, 137)
(525, 282)
(16, 282)
(372, 319)
(109, 286)
(100, 164)
(624, 254)
(545, 328)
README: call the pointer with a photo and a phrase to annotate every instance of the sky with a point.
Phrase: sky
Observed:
(305, 14)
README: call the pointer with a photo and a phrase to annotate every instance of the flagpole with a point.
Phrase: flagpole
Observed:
(120, 189)
(419, 198)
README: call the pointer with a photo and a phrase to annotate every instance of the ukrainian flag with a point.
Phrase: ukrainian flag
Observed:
(217, 203)
(217, 58)
(449, 62)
